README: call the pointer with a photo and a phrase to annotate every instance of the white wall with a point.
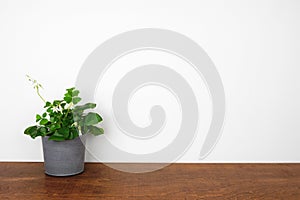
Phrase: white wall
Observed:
(254, 44)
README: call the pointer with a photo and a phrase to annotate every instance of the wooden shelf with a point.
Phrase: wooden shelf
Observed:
(177, 181)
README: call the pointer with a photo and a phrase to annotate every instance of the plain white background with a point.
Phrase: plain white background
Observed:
(254, 44)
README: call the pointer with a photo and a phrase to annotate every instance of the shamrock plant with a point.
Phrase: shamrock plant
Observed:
(64, 119)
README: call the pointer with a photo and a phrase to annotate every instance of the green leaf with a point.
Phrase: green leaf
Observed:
(67, 123)
(68, 99)
(60, 134)
(52, 119)
(68, 95)
(43, 121)
(64, 131)
(56, 138)
(79, 109)
(70, 90)
(43, 130)
(56, 102)
(49, 110)
(81, 123)
(76, 118)
(32, 131)
(54, 127)
(47, 104)
(56, 133)
(45, 115)
(73, 134)
(95, 130)
(38, 118)
(76, 100)
(92, 119)
(63, 105)
(75, 93)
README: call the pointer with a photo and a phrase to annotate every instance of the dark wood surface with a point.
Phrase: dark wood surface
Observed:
(177, 181)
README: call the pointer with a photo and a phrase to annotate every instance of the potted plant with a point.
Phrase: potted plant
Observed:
(63, 127)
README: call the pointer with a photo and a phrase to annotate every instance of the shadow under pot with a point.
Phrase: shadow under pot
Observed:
(64, 158)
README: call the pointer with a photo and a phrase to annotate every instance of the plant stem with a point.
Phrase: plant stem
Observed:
(36, 86)
(38, 92)
(68, 109)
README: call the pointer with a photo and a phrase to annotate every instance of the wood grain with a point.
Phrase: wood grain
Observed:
(177, 181)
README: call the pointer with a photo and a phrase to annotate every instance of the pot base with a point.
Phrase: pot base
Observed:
(72, 174)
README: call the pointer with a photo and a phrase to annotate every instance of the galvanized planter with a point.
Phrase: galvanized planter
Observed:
(65, 158)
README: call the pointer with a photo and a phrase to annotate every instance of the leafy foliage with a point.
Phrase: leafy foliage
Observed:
(64, 119)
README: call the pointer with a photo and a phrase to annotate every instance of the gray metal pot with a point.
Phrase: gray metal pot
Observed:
(64, 158)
